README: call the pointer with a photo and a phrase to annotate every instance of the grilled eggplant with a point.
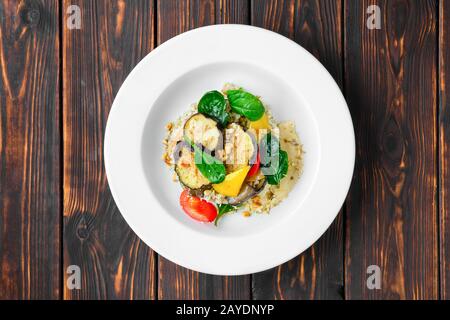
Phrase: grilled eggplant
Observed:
(240, 147)
(202, 130)
(187, 171)
(248, 191)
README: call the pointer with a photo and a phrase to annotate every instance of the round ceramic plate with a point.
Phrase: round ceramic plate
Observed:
(164, 85)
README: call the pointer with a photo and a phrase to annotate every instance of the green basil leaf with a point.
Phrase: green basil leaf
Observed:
(281, 169)
(269, 145)
(223, 208)
(246, 104)
(274, 161)
(213, 105)
(210, 167)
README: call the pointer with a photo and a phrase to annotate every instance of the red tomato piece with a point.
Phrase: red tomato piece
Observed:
(255, 167)
(197, 208)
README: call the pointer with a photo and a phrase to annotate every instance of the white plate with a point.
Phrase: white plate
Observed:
(163, 86)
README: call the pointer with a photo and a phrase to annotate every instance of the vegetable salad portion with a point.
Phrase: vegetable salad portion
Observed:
(229, 154)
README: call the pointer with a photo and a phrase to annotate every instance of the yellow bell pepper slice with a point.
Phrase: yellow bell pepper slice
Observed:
(262, 123)
(232, 184)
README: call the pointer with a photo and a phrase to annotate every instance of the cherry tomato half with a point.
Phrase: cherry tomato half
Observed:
(255, 167)
(197, 208)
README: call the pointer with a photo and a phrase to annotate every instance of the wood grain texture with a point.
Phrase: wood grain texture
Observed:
(444, 145)
(114, 36)
(176, 282)
(29, 150)
(233, 11)
(392, 209)
(402, 170)
(318, 272)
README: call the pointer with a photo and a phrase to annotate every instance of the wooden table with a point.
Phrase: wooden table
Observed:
(57, 85)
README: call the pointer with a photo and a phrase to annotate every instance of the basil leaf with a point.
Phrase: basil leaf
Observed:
(210, 167)
(223, 208)
(281, 169)
(269, 145)
(213, 105)
(245, 104)
(274, 161)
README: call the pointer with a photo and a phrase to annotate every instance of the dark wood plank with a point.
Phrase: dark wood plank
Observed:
(233, 11)
(114, 262)
(444, 145)
(175, 282)
(392, 209)
(318, 272)
(29, 150)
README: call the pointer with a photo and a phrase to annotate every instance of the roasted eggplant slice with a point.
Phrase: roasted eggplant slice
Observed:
(200, 192)
(187, 171)
(178, 150)
(203, 130)
(252, 134)
(239, 147)
(248, 191)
